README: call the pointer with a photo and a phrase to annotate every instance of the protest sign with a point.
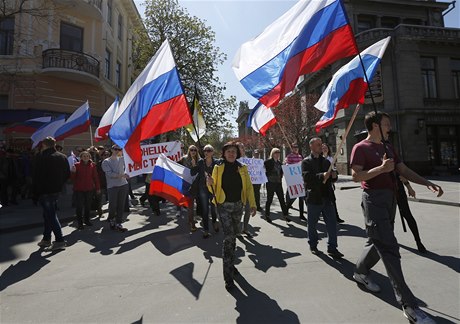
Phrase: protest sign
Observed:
(294, 180)
(256, 169)
(150, 154)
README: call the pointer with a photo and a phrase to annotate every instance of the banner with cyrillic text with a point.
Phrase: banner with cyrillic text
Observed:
(294, 180)
(256, 169)
(150, 154)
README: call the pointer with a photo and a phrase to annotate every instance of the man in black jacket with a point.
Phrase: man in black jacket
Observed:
(50, 173)
(318, 181)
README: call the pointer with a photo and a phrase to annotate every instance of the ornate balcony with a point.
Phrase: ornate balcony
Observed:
(70, 60)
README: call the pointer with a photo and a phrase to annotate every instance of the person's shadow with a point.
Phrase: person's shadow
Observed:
(265, 256)
(255, 306)
(447, 260)
(23, 269)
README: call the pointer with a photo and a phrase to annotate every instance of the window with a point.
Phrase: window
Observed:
(365, 23)
(455, 66)
(6, 36)
(109, 12)
(108, 64)
(429, 77)
(118, 74)
(3, 101)
(71, 37)
(120, 27)
(389, 22)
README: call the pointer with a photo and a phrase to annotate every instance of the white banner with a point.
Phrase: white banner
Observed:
(294, 180)
(256, 169)
(150, 154)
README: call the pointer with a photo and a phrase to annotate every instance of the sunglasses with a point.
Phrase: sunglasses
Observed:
(192, 150)
(116, 149)
(209, 150)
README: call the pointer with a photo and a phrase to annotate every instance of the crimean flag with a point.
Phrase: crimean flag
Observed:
(154, 104)
(102, 132)
(199, 125)
(261, 119)
(171, 181)
(309, 36)
(348, 85)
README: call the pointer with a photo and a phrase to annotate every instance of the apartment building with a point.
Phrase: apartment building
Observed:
(57, 54)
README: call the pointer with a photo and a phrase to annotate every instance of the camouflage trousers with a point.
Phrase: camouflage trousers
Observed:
(230, 214)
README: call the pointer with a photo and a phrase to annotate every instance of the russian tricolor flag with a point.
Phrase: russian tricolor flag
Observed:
(171, 181)
(48, 129)
(348, 85)
(77, 123)
(154, 104)
(311, 35)
(102, 131)
(261, 119)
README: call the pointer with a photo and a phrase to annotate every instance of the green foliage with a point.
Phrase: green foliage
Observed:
(196, 56)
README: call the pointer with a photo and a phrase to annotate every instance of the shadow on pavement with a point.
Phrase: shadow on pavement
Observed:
(23, 269)
(254, 306)
(265, 256)
(447, 260)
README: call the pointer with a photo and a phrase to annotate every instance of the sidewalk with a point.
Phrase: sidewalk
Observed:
(25, 215)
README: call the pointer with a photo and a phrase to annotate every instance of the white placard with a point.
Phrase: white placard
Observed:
(294, 180)
(256, 169)
(150, 154)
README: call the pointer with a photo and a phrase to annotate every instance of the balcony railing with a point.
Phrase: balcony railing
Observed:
(414, 31)
(64, 59)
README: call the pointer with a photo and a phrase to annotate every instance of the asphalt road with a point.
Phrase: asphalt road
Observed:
(158, 272)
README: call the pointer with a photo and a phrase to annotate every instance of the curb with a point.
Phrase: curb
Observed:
(435, 202)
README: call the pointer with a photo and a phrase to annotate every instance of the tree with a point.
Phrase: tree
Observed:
(9, 8)
(196, 56)
(297, 120)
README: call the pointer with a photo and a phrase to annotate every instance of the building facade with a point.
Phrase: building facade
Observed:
(55, 55)
(418, 83)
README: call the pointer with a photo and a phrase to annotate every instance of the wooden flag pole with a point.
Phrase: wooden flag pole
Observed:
(91, 134)
(344, 136)
(284, 135)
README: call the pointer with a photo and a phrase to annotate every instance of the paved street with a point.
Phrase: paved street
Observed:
(158, 272)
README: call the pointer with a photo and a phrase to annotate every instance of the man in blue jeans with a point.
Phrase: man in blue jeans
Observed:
(318, 182)
(51, 171)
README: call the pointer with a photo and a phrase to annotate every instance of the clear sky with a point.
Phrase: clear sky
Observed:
(237, 21)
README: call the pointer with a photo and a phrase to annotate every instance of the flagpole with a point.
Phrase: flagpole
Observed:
(91, 134)
(344, 136)
(284, 135)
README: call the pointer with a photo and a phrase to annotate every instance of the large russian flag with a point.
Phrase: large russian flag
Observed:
(48, 129)
(171, 181)
(154, 104)
(102, 131)
(261, 119)
(311, 35)
(77, 123)
(28, 126)
(348, 85)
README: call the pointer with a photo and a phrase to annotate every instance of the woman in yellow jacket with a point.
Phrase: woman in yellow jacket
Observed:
(231, 185)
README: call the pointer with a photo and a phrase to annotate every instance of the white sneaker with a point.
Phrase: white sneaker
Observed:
(416, 315)
(368, 283)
